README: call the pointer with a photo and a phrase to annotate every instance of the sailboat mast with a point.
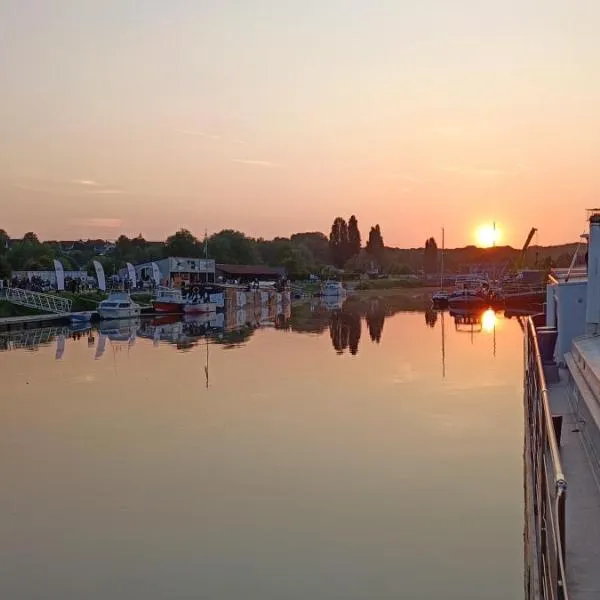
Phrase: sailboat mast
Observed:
(442, 262)
(206, 253)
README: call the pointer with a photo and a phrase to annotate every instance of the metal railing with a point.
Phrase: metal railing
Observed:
(549, 486)
(30, 339)
(37, 300)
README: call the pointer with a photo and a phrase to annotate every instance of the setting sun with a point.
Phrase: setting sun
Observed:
(487, 236)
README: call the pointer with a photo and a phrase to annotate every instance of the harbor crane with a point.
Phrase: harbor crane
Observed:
(518, 263)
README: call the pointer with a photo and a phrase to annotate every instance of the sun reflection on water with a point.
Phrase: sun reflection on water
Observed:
(488, 320)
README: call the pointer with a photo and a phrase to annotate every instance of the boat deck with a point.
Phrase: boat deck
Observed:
(583, 494)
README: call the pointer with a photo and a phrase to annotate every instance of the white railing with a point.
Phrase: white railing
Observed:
(31, 338)
(546, 530)
(44, 302)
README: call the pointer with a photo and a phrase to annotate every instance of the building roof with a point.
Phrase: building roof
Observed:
(251, 270)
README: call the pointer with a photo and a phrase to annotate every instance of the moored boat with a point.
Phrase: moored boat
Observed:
(118, 305)
(440, 299)
(468, 299)
(333, 288)
(81, 317)
(168, 300)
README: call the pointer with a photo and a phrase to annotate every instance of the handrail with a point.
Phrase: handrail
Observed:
(546, 402)
(37, 300)
(548, 479)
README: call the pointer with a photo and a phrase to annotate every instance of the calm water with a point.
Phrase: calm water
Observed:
(334, 456)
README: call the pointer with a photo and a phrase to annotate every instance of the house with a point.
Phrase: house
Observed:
(249, 273)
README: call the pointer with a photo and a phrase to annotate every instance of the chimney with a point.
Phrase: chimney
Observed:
(592, 316)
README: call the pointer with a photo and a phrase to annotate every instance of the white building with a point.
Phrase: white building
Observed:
(176, 270)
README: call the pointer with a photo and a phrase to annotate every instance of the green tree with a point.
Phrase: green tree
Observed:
(31, 238)
(30, 254)
(297, 262)
(233, 247)
(375, 246)
(316, 242)
(5, 268)
(182, 243)
(430, 256)
(354, 241)
(338, 242)
(4, 239)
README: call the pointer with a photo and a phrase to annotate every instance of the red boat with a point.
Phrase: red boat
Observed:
(168, 301)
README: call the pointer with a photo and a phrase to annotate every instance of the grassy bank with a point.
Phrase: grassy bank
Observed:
(12, 310)
(390, 284)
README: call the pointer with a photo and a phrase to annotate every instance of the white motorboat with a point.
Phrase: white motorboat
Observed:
(119, 330)
(81, 317)
(333, 288)
(118, 305)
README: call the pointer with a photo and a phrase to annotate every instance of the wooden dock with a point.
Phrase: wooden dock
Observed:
(27, 320)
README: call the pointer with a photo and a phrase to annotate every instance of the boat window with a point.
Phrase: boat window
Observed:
(123, 305)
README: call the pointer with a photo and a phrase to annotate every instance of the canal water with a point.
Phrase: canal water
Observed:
(354, 454)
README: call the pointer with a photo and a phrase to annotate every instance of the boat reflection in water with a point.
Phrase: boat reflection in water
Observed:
(119, 330)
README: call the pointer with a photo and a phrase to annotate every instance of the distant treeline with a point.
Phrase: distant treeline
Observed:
(301, 254)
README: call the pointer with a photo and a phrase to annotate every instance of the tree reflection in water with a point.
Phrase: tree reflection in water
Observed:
(375, 320)
(345, 330)
(431, 317)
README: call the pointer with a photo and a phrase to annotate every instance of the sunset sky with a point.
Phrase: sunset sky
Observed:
(276, 116)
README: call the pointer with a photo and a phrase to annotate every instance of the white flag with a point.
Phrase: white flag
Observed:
(131, 275)
(100, 276)
(60, 346)
(101, 346)
(156, 274)
(60, 275)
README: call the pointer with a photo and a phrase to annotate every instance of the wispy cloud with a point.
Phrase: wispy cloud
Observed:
(71, 187)
(91, 186)
(107, 191)
(98, 222)
(212, 136)
(194, 132)
(256, 163)
(85, 182)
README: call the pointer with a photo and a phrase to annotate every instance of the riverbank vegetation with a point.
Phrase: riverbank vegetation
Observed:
(301, 254)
